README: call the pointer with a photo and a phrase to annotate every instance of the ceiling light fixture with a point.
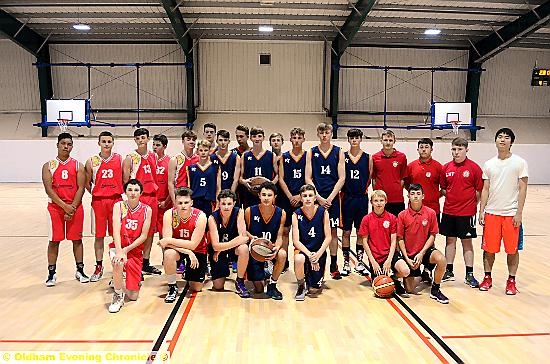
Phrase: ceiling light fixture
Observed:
(432, 31)
(265, 28)
(80, 26)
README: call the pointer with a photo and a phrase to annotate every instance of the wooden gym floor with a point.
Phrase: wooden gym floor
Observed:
(345, 324)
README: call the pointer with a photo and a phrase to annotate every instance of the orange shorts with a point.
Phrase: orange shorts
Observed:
(500, 228)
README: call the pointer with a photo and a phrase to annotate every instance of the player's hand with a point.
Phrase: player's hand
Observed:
(315, 266)
(481, 218)
(194, 261)
(516, 220)
(295, 200)
(376, 268)
(417, 260)
(386, 268)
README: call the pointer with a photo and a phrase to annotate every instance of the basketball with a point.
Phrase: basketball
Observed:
(383, 286)
(261, 248)
(255, 183)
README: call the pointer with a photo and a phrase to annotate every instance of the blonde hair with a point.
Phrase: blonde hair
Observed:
(378, 193)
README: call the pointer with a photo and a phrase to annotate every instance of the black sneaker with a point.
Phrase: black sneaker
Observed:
(273, 292)
(172, 293)
(439, 297)
(150, 269)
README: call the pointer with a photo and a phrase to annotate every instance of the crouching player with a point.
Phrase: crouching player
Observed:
(227, 230)
(416, 231)
(311, 236)
(379, 231)
(131, 222)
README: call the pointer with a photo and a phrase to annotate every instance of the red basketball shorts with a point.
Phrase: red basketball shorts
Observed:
(103, 215)
(61, 229)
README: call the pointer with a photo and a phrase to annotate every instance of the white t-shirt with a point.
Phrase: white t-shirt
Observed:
(504, 176)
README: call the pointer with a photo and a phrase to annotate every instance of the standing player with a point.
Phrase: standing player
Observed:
(355, 197)
(227, 230)
(426, 172)
(177, 167)
(461, 184)
(379, 232)
(266, 221)
(257, 162)
(160, 142)
(326, 171)
(64, 179)
(311, 237)
(141, 164)
(292, 165)
(242, 133)
(416, 231)
(276, 142)
(389, 168)
(209, 133)
(184, 233)
(104, 172)
(502, 199)
(131, 221)
(204, 179)
(229, 161)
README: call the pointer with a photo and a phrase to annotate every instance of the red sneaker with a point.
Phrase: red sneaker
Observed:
(511, 287)
(486, 284)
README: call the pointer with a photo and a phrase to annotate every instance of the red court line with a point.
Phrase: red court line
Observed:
(176, 336)
(417, 332)
(494, 335)
(76, 341)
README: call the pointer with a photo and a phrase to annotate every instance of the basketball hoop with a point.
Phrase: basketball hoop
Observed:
(63, 124)
(456, 126)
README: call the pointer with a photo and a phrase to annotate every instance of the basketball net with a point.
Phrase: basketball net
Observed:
(456, 126)
(63, 124)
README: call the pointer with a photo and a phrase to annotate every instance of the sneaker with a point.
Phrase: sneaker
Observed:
(335, 274)
(300, 293)
(439, 296)
(234, 267)
(81, 277)
(426, 276)
(486, 284)
(150, 269)
(400, 290)
(361, 269)
(98, 273)
(172, 293)
(241, 290)
(273, 292)
(346, 269)
(448, 276)
(471, 281)
(181, 268)
(511, 287)
(51, 280)
(117, 303)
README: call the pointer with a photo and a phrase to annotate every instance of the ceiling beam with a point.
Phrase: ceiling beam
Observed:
(504, 37)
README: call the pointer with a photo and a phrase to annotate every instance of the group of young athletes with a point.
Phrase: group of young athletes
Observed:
(207, 207)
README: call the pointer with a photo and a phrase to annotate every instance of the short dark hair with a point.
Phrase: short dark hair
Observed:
(307, 187)
(209, 125)
(227, 193)
(133, 181)
(223, 133)
(183, 192)
(161, 138)
(141, 131)
(256, 130)
(244, 129)
(105, 133)
(268, 185)
(506, 131)
(353, 133)
(426, 141)
(189, 134)
(64, 136)
(416, 187)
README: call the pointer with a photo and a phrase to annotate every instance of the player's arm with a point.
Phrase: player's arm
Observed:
(144, 232)
(236, 174)
(126, 169)
(282, 182)
(279, 240)
(275, 162)
(80, 182)
(47, 181)
(484, 196)
(88, 171)
(341, 177)
(171, 185)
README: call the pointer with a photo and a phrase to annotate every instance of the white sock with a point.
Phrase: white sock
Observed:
(172, 278)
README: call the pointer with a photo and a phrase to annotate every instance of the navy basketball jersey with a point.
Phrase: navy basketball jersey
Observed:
(357, 175)
(264, 226)
(227, 168)
(262, 166)
(312, 228)
(294, 170)
(202, 181)
(324, 168)
(229, 231)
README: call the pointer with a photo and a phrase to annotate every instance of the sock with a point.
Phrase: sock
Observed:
(333, 262)
(171, 279)
(469, 270)
(360, 252)
(99, 262)
(80, 267)
(512, 277)
(449, 268)
(345, 251)
(272, 281)
(145, 262)
(435, 287)
(487, 274)
(51, 269)
(301, 282)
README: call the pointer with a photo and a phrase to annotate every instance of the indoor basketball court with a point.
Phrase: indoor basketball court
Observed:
(423, 69)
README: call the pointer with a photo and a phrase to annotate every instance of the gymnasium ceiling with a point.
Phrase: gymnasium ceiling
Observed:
(390, 22)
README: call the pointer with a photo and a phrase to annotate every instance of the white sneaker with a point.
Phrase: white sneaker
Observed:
(117, 303)
(81, 277)
(51, 281)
